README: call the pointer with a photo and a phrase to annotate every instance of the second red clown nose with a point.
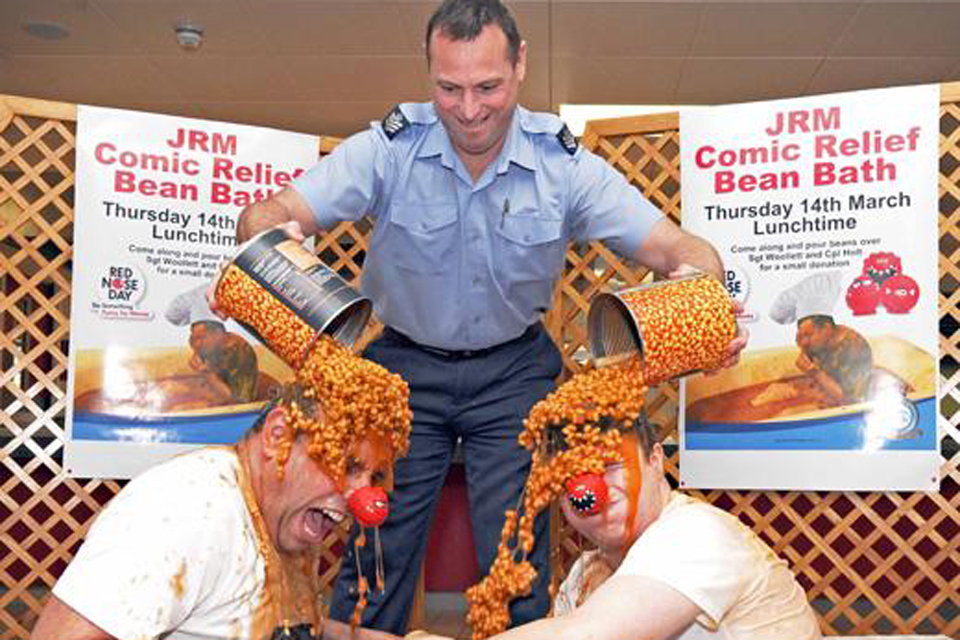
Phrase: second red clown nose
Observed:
(588, 494)
(369, 506)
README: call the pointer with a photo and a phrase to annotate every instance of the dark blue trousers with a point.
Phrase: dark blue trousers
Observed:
(482, 400)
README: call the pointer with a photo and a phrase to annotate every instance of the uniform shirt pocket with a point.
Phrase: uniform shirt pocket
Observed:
(422, 236)
(529, 247)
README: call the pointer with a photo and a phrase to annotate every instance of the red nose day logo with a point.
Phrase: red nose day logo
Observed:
(737, 282)
(120, 283)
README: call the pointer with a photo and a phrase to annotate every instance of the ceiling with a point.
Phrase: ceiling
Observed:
(327, 67)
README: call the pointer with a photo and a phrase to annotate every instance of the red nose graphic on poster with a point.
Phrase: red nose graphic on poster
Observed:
(899, 293)
(369, 506)
(863, 296)
(588, 494)
(881, 266)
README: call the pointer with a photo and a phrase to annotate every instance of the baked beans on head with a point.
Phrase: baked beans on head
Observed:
(361, 400)
(577, 429)
(363, 405)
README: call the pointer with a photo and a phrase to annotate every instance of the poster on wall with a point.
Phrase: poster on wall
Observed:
(152, 371)
(824, 210)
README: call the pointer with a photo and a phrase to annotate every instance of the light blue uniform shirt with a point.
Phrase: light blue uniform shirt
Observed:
(461, 265)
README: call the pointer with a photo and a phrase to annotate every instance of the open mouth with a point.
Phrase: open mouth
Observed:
(318, 522)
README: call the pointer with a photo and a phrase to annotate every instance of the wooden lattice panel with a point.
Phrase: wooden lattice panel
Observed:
(877, 563)
(43, 514)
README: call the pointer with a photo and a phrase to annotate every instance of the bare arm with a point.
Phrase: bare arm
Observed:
(58, 621)
(830, 387)
(336, 630)
(623, 608)
(668, 248)
(285, 206)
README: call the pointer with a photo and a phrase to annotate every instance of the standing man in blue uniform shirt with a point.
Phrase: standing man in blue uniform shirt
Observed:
(474, 200)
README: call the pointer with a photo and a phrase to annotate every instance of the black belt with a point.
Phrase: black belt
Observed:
(532, 332)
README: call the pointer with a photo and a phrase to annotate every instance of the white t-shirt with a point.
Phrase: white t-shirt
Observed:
(174, 552)
(744, 591)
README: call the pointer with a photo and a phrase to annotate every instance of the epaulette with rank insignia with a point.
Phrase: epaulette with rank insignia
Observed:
(567, 140)
(394, 122)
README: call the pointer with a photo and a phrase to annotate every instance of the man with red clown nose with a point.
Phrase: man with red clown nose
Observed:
(666, 565)
(224, 542)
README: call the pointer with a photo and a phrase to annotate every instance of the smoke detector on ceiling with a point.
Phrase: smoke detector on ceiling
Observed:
(46, 30)
(189, 35)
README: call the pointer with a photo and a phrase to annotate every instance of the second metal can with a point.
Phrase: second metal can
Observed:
(677, 326)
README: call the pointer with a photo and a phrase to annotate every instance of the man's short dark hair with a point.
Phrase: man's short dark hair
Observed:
(818, 320)
(648, 434)
(465, 19)
(210, 325)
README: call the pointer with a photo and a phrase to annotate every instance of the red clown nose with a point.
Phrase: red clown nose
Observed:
(588, 494)
(369, 506)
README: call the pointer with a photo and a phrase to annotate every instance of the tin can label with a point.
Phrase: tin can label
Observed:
(304, 284)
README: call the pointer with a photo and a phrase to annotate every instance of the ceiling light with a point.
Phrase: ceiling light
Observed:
(46, 30)
(189, 35)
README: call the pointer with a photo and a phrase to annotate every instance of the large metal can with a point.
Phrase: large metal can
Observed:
(288, 298)
(676, 326)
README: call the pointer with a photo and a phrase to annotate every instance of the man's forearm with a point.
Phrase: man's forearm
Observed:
(285, 206)
(829, 386)
(699, 253)
(668, 248)
(260, 216)
(336, 630)
(58, 621)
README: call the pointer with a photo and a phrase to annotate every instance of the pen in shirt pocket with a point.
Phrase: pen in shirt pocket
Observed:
(506, 211)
